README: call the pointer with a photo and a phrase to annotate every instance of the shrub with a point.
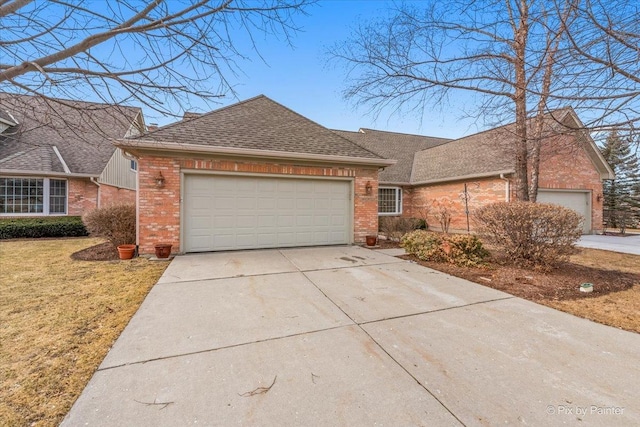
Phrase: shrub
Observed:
(394, 227)
(465, 250)
(57, 226)
(536, 234)
(117, 224)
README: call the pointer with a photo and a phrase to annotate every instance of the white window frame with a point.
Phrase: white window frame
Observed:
(46, 193)
(133, 165)
(398, 200)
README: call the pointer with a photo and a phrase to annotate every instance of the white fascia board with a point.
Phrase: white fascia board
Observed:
(21, 172)
(465, 177)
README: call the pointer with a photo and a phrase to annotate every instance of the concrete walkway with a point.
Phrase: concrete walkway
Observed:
(627, 245)
(345, 336)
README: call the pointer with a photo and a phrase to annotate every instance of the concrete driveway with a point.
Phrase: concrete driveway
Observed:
(628, 245)
(348, 336)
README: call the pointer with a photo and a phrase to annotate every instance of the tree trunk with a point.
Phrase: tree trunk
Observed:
(520, 99)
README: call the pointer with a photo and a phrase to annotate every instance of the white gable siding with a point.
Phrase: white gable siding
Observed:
(118, 172)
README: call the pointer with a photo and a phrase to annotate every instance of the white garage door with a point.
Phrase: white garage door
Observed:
(575, 200)
(234, 212)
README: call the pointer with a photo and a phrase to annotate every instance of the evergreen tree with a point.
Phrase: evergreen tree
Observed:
(621, 195)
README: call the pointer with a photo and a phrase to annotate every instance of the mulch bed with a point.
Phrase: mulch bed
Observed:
(101, 252)
(561, 283)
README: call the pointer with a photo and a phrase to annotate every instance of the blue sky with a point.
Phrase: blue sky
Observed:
(300, 77)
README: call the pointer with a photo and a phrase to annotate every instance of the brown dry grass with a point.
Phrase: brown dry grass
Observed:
(58, 319)
(619, 309)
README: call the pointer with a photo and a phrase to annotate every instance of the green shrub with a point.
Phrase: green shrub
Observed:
(535, 234)
(55, 226)
(117, 224)
(394, 227)
(464, 250)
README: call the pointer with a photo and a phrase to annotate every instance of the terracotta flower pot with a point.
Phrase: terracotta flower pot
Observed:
(163, 250)
(126, 251)
(372, 240)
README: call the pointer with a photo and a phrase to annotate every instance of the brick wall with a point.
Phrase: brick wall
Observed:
(564, 164)
(450, 196)
(110, 195)
(82, 196)
(159, 209)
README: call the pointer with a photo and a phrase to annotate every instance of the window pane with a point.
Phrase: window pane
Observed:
(21, 195)
(388, 200)
(57, 196)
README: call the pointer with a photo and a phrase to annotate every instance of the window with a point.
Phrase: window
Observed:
(389, 201)
(35, 196)
(134, 166)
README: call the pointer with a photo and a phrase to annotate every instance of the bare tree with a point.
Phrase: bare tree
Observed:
(152, 53)
(517, 55)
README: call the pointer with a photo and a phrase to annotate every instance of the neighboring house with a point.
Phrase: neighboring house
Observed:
(57, 156)
(252, 175)
(434, 174)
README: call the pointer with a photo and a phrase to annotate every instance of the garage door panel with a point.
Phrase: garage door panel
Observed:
(577, 201)
(233, 212)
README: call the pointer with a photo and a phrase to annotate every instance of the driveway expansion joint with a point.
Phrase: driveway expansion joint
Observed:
(226, 347)
(437, 310)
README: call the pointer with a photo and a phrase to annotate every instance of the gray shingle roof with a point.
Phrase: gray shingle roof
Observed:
(260, 124)
(81, 131)
(485, 152)
(391, 145)
(476, 154)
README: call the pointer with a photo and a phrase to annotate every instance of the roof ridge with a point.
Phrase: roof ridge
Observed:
(402, 133)
(208, 113)
(548, 113)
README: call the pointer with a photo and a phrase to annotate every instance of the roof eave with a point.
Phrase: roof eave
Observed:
(132, 145)
(26, 172)
(465, 177)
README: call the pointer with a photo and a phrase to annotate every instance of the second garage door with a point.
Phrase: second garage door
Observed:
(575, 200)
(223, 212)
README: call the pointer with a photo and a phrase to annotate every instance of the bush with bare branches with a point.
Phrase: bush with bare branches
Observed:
(394, 227)
(535, 234)
(117, 224)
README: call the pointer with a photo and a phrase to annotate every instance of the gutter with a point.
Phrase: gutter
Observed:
(95, 181)
(507, 189)
(464, 177)
(22, 172)
(246, 152)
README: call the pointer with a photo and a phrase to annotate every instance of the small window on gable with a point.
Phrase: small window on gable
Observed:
(389, 201)
(134, 166)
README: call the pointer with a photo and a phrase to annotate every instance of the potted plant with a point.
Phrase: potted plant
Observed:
(126, 251)
(163, 250)
(371, 240)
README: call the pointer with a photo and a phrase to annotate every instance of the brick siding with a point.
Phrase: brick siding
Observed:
(110, 195)
(159, 208)
(82, 196)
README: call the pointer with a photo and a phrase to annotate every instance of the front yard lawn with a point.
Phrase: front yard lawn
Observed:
(58, 319)
(615, 300)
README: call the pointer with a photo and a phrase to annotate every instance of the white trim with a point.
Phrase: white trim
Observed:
(39, 174)
(64, 164)
(245, 152)
(464, 177)
(398, 201)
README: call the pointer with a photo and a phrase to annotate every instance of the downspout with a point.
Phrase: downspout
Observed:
(507, 192)
(98, 185)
